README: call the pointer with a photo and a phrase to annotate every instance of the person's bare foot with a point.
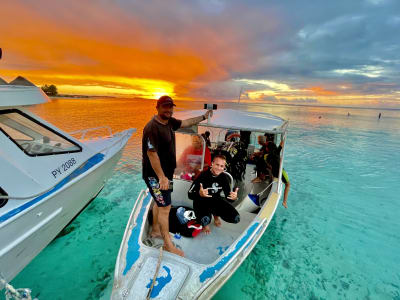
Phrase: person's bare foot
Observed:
(207, 229)
(156, 234)
(217, 221)
(284, 203)
(174, 250)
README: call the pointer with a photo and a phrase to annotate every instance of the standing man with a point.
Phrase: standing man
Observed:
(159, 163)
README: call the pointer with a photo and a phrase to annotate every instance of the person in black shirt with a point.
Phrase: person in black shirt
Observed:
(272, 158)
(273, 163)
(205, 192)
(159, 162)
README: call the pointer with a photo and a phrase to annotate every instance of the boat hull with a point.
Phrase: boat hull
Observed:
(201, 281)
(28, 233)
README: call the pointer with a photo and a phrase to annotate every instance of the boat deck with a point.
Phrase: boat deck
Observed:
(205, 249)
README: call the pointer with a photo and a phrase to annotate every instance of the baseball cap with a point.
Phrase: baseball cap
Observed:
(165, 100)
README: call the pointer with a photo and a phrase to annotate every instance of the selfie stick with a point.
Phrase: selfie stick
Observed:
(210, 107)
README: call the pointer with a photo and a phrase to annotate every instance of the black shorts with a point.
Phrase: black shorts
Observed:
(161, 197)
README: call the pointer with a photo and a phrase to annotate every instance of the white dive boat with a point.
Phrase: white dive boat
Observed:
(47, 177)
(209, 259)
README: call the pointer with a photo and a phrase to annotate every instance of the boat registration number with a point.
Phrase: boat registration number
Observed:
(63, 168)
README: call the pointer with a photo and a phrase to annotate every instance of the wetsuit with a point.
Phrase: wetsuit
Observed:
(217, 204)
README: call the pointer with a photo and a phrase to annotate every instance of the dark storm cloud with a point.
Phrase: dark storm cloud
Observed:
(326, 37)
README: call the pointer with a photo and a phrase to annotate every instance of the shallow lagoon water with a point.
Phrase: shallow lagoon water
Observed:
(339, 239)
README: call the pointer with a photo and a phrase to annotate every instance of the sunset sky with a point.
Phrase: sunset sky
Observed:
(343, 52)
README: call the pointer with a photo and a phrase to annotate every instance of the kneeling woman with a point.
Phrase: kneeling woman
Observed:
(206, 194)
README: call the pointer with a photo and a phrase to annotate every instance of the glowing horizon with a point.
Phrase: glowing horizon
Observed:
(196, 50)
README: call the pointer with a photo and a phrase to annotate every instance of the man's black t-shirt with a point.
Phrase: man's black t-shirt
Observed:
(215, 184)
(160, 138)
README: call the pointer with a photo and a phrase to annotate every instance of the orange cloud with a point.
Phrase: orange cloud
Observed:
(87, 45)
(320, 91)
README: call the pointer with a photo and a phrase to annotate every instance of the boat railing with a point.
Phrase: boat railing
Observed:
(123, 137)
(83, 132)
(231, 181)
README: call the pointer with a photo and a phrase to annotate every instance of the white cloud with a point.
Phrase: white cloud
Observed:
(273, 85)
(368, 71)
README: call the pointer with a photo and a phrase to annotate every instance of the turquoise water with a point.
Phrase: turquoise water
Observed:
(338, 239)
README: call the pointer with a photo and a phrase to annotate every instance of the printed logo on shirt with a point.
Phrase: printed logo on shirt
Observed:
(149, 145)
(215, 188)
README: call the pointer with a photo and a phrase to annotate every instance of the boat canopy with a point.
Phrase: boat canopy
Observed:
(18, 95)
(238, 120)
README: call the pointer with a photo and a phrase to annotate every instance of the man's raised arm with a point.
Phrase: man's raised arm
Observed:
(195, 120)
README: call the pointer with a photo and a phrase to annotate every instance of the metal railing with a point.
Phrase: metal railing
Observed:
(85, 131)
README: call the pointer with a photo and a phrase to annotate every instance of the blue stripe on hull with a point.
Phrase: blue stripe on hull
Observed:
(133, 252)
(91, 162)
(211, 271)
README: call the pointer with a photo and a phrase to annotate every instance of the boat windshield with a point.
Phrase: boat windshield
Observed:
(32, 137)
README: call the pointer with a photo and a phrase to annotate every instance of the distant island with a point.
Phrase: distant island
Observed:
(52, 91)
(79, 96)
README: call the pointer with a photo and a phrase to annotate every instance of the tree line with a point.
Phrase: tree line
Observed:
(50, 90)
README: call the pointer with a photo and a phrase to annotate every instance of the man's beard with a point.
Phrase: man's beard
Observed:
(164, 117)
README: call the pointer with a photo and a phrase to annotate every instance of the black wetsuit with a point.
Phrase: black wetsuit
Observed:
(217, 205)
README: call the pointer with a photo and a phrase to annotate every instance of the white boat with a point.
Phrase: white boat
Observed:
(47, 176)
(209, 259)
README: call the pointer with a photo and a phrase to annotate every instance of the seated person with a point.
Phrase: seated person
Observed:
(273, 162)
(261, 141)
(267, 147)
(191, 158)
(258, 159)
(206, 190)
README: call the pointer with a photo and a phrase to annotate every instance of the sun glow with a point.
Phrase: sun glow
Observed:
(80, 84)
(135, 87)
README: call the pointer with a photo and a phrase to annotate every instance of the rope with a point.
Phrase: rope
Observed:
(16, 294)
(259, 194)
(155, 273)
